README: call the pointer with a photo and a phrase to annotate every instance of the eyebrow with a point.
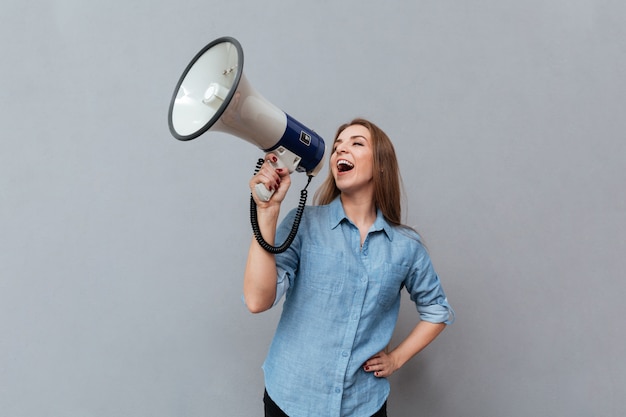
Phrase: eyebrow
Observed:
(351, 138)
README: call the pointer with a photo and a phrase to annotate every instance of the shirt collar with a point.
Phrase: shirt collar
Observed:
(338, 215)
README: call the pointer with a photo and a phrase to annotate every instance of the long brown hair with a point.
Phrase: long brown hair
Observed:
(387, 179)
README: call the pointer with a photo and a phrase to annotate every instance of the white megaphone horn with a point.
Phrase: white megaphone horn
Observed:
(213, 94)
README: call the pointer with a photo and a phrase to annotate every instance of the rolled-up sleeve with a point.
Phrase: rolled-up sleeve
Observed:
(436, 313)
(288, 261)
(427, 292)
(282, 284)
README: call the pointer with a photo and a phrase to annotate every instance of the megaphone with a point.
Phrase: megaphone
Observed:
(213, 94)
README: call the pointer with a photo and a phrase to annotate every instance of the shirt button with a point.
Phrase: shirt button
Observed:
(338, 390)
(344, 354)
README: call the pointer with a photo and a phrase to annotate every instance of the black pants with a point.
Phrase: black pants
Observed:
(272, 410)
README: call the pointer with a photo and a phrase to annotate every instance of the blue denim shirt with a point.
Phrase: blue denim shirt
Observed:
(341, 306)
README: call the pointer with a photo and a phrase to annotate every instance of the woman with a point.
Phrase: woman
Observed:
(341, 278)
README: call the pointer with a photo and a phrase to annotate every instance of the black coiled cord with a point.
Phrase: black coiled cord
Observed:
(296, 221)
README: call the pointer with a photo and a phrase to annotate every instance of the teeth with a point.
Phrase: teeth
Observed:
(344, 162)
(343, 165)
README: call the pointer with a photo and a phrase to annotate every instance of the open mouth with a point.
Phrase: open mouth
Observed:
(344, 166)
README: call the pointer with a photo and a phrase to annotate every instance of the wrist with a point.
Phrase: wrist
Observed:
(268, 210)
(397, 359)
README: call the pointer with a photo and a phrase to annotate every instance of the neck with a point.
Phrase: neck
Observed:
(361, 211)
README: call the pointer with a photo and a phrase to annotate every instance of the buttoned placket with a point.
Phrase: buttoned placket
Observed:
(361, 282)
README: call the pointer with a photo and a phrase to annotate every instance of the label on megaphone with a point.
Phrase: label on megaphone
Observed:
(300, 148)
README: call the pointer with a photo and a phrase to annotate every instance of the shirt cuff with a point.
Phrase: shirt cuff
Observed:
(282, 285)
(437, 313)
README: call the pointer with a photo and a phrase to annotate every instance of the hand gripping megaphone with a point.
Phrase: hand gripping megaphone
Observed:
(213, 94)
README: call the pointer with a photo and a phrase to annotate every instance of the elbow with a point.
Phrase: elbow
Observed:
(256, 306)
(257, 310)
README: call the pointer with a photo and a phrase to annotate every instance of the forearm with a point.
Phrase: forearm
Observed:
(420, 337)
(259, 285)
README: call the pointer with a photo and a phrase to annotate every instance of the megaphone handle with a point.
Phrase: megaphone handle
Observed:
(262, 192)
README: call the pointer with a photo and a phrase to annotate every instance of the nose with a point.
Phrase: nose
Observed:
(340, 148)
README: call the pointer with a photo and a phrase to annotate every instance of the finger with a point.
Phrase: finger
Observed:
(379, 371)
(268, 177)
(271, 158)
(373, 367)
(374, 360)
(260, 179)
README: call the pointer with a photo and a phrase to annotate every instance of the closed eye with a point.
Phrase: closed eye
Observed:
(357, 140)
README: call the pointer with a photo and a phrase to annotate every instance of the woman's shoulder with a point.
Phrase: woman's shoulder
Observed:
(315, 209)
(409, 236)
(310, 213)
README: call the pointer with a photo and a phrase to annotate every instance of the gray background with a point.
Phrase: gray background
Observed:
(122, 250)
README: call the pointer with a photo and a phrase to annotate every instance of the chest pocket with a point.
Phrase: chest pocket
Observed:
(391, 283)
(322, 270)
